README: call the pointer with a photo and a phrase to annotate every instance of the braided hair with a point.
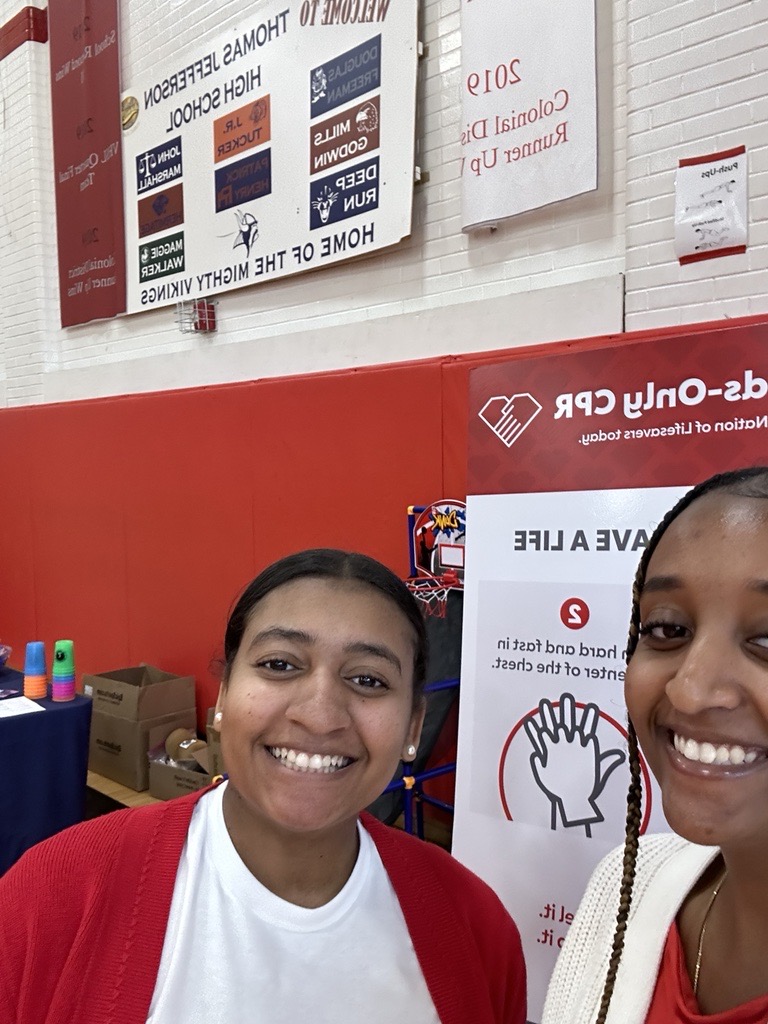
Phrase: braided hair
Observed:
(746, 483)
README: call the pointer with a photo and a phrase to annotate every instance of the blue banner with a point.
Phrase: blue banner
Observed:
(345, 77)
(344, 194)
(244, 181)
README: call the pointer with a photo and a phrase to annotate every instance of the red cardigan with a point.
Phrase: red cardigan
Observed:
(83, 918)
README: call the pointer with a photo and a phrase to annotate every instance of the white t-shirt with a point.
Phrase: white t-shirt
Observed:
(236, 953)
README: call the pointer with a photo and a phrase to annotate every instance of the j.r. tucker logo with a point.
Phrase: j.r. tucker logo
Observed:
(509, 417)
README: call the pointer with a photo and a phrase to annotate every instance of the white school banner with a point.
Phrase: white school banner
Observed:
(281, 144)
(529, 104)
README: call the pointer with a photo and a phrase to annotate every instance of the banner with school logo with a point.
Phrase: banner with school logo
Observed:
(283, 144)
(573, 460)
(529, 106)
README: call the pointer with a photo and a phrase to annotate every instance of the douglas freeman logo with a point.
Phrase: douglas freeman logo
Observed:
(509, 417)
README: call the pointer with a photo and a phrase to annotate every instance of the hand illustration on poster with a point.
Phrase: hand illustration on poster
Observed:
(566, 747)
(543, 712)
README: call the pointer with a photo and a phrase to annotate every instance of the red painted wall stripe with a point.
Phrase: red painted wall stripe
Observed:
(724, 154)
(30, 25)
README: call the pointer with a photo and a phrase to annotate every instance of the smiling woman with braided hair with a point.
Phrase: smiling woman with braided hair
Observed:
(674, 928)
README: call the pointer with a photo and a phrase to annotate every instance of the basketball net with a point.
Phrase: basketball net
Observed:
(432, 592)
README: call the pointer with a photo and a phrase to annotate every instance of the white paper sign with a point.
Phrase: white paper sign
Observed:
(529, 102)
(18, 706)
(542, 767)
(711, 206)
(283, 144)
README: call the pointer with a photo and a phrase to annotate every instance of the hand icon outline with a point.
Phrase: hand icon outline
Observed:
(566, 751)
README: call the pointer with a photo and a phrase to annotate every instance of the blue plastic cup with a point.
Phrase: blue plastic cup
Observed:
(34, 659)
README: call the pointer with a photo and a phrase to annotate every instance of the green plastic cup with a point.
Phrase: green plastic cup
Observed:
(63, 659)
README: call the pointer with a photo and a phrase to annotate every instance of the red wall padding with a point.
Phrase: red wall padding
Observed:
(129, 524)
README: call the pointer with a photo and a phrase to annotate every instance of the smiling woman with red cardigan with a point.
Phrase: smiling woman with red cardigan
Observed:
(272, 896)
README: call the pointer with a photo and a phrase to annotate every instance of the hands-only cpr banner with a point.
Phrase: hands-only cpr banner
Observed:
(620, 432)
(529, 103)
(283, 144)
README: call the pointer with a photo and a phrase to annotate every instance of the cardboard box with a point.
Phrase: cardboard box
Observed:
(167, 782)
(128, 703)
(139, 693)
(213, 738)
(118, 747)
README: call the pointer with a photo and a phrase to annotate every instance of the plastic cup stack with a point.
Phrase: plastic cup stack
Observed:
(63, 675)
(35, 679)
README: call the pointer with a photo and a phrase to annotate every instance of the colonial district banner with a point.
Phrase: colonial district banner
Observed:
(529, 106)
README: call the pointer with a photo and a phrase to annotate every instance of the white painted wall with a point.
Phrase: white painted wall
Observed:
(697, 84)
(548, 275)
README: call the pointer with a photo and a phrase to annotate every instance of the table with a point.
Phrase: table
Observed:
(45, 762)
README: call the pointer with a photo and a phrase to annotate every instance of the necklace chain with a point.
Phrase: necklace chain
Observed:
(700, 946)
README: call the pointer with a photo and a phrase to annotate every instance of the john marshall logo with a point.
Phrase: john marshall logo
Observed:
(158, 166)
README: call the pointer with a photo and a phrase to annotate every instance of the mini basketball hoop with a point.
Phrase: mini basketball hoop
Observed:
(436, 535)
(432, 592)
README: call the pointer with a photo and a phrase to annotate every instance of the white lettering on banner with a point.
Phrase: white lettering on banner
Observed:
(681, 428)
(84, 268)
(341, 152)
(692, 391)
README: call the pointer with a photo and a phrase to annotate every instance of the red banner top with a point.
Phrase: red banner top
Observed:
(605, 418)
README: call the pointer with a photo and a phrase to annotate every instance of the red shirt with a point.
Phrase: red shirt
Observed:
(674, 1002)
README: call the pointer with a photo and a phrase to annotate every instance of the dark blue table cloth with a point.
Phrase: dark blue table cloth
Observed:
(45, 766)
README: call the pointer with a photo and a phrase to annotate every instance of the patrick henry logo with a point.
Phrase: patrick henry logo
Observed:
(509, 417)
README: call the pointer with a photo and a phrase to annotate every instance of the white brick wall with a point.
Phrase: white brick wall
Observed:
(29, 292)
(697, 83)
(547, 275)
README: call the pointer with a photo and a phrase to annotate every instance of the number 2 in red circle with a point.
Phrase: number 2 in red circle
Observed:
(574, 613)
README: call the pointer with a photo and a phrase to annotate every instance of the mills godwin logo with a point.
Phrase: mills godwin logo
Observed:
(509, 417)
